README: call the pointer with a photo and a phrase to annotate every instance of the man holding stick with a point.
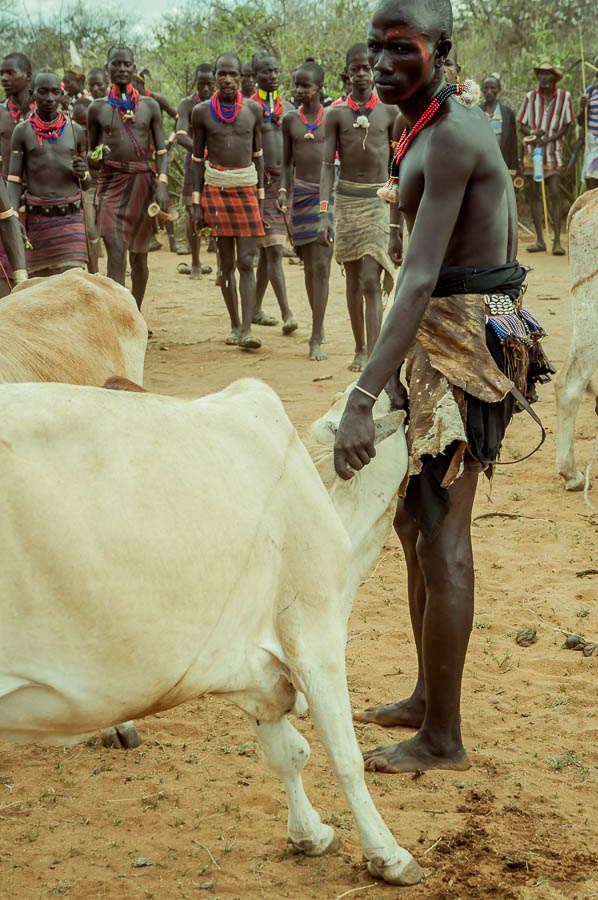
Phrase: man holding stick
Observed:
(122, 128)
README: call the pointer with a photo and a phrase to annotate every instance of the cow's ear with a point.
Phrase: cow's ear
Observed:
(388, 424)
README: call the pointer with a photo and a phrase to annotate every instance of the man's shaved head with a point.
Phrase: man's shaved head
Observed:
(20, 60)
(357, 51)
(228, 56)
(434, 17)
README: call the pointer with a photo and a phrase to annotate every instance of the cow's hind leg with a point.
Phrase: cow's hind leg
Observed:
(324, 682)
(121, 737)
(286, 752)
(573, 379)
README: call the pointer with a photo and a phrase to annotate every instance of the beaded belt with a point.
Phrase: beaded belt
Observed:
(501, 304)
(66, 210)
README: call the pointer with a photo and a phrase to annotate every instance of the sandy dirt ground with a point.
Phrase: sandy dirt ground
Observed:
(194, 813)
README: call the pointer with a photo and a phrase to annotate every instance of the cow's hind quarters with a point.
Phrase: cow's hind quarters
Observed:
(328, 843)
(401, 873)
(121, 737)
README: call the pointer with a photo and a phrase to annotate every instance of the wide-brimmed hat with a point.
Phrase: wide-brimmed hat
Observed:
(547, 66)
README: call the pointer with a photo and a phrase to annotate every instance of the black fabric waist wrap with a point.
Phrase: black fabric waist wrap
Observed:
(425, 499)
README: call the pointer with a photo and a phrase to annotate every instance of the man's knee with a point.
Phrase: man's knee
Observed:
(245, 262)
(404, 524)
(139, 263)
(371, 288)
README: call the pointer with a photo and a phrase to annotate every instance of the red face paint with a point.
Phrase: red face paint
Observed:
(400, 57)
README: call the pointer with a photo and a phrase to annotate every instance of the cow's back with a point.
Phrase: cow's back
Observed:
(582, 225)
(160, 528)
(74, 327)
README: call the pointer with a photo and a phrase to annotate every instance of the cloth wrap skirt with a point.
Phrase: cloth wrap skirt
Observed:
(362, 226)
(125, 190)
(460, 374)
(229, 201)
(305, 214)
(275, 229)
(58, 240)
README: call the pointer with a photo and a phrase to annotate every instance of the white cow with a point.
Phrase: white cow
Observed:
(75, 327)
(582, 360)
(234, 575)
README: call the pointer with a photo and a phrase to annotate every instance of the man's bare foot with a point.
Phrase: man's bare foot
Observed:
(536, 248)
(316, 352)
(249, 342)
(361, 357)
(557, 250)
(414, 755)
(233, 338)
(408, 713)
(262, 318)
(290, 324)
(196, 273)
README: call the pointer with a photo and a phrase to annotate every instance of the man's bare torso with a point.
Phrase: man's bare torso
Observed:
(369, 164)
(480, 235)
(111, 129)
(230, 145)
(49, 167)
(272, 139)
(307, 154)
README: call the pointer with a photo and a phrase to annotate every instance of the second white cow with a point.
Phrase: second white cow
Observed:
(234, 575)
(582, 359)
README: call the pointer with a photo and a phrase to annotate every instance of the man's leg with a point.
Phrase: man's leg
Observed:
(228, 286)
(534, 196)
(277, 280)
(372, 292)
(193, 239)
(316, 262)
(409, 712)
(139, 276)
(354, 276)
(446, 564)
(259, 316)
(245, 254)
(553, 183)
(117, 260)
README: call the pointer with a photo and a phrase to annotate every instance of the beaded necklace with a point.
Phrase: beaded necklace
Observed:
(20, 113)
(362, 112)
(390, 191)
(49, 131)
(311, 126)
(127, 109)
(226, 112)
(270, 115)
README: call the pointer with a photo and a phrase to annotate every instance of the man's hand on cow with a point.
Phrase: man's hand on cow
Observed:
(354, 443)
(162, 196)
(395, 246)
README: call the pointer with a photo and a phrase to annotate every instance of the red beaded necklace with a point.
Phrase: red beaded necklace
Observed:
(360, 109)
(20, 113)
(226, 112)
(51, 131)
(311, 126)
(390, 191)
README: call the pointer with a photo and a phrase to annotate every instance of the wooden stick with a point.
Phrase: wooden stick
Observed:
(545, 206)
(526, 229)
(355, 890)
(583, 77)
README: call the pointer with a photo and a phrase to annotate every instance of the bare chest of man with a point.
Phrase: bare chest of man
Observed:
(230, 143)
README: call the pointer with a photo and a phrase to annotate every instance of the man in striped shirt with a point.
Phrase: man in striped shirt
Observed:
(545, 116)
(588, 119)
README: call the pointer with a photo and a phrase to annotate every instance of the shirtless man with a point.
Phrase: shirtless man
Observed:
(12, 241)
(303, 139)
(224, 189)
(129, 125)
(458, 203)
(15, 75)
(73, 81)
(48, 153)
(269, 267)
(247, 79)
(360, 130)
(204, 88)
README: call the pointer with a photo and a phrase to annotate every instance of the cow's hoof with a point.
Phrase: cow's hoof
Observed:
(121, 737)
(577, 483)
(328, 843)
(400, 873)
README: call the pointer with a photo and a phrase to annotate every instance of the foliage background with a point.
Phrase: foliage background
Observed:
(503, 36)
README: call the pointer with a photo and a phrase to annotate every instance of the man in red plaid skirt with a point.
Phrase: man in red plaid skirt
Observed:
(228, 189)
